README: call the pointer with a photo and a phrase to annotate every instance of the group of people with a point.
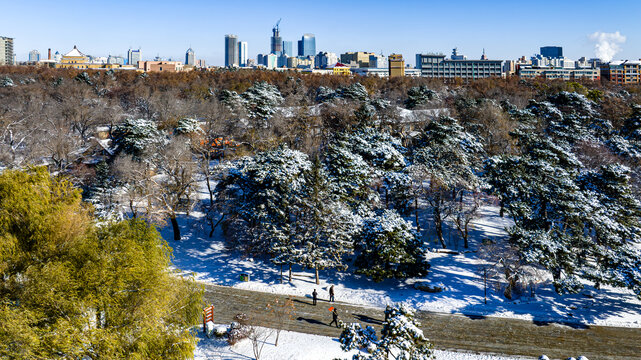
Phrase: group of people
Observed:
(315, 295)
(333, 309)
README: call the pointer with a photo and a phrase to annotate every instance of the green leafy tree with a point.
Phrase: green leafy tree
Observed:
(72, 289)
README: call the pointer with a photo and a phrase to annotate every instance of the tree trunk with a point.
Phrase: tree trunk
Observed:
(317, 280)
(281, 273)
(418, 227)
(465, 236)
(174, 224)
(290, 272)
(438, 222)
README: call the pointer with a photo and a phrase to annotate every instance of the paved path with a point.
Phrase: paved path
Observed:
(445, 331)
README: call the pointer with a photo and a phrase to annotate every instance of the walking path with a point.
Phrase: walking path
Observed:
(446, 331)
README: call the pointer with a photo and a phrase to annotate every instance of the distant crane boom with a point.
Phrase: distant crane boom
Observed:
(277, 23)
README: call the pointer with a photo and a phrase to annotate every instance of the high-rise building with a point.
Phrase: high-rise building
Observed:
(242, 53)
(552, 52)
(6, 51)
(231, 50)
(34, 56)
(276, 41)
(307, 45)
(190, 57)
(287, 48)
(133, 56)
(396, 65)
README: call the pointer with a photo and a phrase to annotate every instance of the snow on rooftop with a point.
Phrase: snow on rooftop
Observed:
(75, 52)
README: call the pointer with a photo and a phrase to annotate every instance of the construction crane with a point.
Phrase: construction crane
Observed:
(277, 23)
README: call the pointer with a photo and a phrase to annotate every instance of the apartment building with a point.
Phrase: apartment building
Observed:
(437, 66)
(622, 72)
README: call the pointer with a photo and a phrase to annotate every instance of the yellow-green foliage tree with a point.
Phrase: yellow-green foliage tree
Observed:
(70, 288)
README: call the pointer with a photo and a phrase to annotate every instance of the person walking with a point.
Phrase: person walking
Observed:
(331, 293)
(334, 317)
(314, 295)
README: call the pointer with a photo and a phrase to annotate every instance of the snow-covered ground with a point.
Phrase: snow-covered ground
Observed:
(211, 262)
(297, 346)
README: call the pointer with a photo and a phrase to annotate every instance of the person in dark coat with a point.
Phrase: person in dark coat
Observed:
(314, 295)
(331, 293)
(334, 317)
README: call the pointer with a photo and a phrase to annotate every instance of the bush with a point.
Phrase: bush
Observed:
(239, 329)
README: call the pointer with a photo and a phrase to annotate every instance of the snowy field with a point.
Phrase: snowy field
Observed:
(297, 346)
(211, 262)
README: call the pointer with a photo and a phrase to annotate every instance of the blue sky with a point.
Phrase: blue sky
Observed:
(506, 29)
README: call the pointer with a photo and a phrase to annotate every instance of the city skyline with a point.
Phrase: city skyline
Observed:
(516, 29)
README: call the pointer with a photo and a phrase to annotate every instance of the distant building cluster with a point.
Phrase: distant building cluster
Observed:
(549, 63)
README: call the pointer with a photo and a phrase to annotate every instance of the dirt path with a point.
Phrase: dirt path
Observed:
(445, 331)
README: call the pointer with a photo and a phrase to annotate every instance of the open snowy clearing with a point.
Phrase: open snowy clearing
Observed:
(297, 346)
(211, 262)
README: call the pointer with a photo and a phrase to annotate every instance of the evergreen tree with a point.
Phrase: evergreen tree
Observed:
(135, 136)
(323, 226)
(388, 247)
(446, 155)
(352, 177)
(260, 197)
(401, 338)
(576, 224)
(419, 95)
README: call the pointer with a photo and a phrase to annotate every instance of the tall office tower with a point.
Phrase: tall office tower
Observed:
(133, 56)
(276, 41)
(242, 53)
(552, 52)
(34, 56)
(287, 48)
(231, 50)
(190, 57)
(6, 51)
(307, 45)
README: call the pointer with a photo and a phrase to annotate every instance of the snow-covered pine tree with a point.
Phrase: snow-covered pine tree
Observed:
(324, 226)
(260, 197)
(135, 136)
(614, 227)
(261, 100)
(401, 338)
(538, 190)
(388, 247)
(445, 155)
(354, 337)
(628, 141)
(188, 126)
(419, 95)
(352, 177)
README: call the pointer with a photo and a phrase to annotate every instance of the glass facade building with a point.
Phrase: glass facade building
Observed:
(307, 45)
(231, 50)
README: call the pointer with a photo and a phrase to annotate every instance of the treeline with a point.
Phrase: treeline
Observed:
(312, 170)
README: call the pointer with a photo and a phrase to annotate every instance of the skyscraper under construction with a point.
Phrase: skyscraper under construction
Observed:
(276, 41)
